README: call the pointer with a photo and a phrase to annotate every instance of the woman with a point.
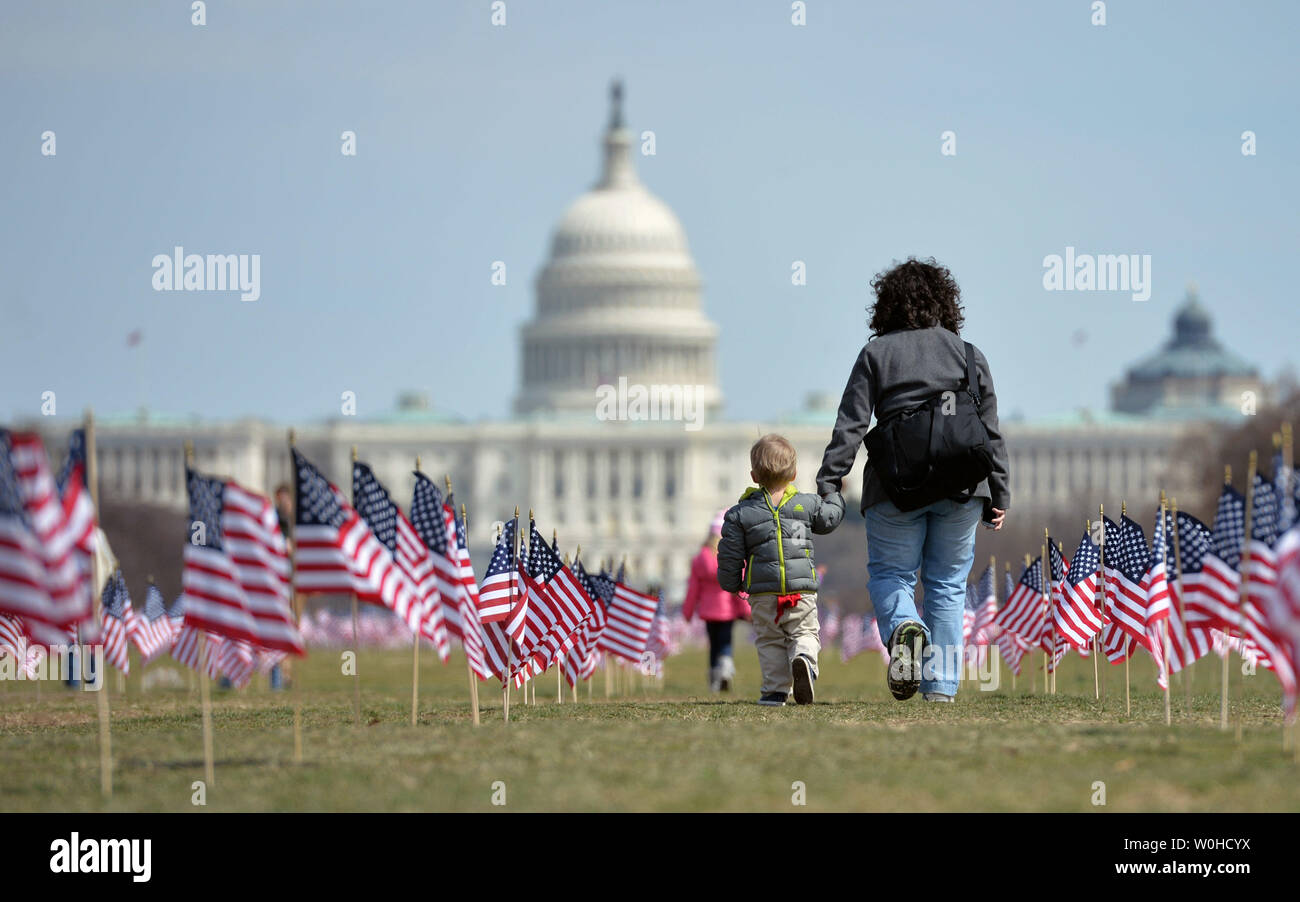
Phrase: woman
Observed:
(717, 608)
(914, 353)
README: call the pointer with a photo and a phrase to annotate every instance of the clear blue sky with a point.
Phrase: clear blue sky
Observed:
(775, 143)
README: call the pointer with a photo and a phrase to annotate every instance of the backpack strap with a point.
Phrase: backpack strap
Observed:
(971, 381)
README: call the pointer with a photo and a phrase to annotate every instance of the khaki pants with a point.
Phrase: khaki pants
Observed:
(798, 633)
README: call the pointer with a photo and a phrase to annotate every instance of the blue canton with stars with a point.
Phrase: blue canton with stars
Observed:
(503, 555)
(372, 502)
(206, 504)
(427, 516)
(1264, 513)
(11, 500)
(1032, 578)
(1229, 526)
(1086, 561)
(154, 606)
(115, 597)
(1129, 554)
(543, 561)
(1195, 541)
(76, 455)
(316, 504)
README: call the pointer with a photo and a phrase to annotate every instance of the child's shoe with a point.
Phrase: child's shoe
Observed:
(801, 669)
(726, 673)
(774, 699)
(715, 679)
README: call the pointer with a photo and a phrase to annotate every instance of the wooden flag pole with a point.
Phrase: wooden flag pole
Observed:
(101, 701)
(1243, 589)
(1288, 467)
(1164, 638)
(1101, 576)
(1007, 569)
(415, 657)
(295, 674)
(473, 680)
(356, 649)
(1096, 674)
(1128, 703)
(559, 676)
(205, 691)
(510, 645)
(1185, 672)
(1223, 688)
(1045, 571)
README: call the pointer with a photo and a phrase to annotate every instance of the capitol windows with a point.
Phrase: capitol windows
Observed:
(558, 465)
(591, 474)
(638, 482)
(670, 475)
(613, 474)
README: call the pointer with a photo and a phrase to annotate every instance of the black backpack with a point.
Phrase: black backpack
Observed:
(922, 454)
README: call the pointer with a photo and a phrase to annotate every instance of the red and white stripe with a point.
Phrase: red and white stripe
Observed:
(241, 590)
(152, 637)
(629, 618)
(45, 569)
(1075, 612)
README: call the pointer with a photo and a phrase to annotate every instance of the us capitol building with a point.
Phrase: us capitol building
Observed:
(620, 298)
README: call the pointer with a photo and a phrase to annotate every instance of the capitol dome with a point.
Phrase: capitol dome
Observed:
(1192, 376)
(619, 297)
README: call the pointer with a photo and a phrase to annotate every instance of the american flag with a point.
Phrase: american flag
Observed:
(555, 607)
(1211, 590)
(334, 548)
(153, 628)
(860, 633)
(1058, 568)
(1285, 489)
(1128, 560)
(236, 576)
(1024, 611)
(11, 636)
(119, 622)
(410, 588)
(1260, 574)
(45, 542)
(657, 645)
(501, 590)
(435, 522)
(1075, 613)
(1282, 609)
(969, 604)
(986, 597)
(1013, 649)
(630, 617)
(1189, 640)
(579, 662)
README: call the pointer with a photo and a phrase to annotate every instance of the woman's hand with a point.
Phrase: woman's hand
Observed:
(999, 516)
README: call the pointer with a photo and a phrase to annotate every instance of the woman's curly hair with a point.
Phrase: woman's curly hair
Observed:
(915, 294)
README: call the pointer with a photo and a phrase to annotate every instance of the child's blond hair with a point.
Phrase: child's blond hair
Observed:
(772, 458)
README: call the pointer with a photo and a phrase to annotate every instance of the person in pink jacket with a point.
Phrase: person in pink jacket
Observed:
(718, 609)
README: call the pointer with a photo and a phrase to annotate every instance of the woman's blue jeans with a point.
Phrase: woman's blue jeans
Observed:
(938, 539)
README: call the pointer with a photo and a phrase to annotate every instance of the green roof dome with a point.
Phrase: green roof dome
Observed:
(1193, 351)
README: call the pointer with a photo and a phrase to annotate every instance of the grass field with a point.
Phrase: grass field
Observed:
(668, 749)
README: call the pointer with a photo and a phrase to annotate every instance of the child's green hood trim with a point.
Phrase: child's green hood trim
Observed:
(790, 492)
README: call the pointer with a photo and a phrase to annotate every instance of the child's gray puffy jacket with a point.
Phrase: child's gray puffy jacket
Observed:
(772, 545)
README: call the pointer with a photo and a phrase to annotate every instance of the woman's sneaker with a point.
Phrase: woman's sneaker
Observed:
(801, 669)
(774, 699)
(906, 651)
(937, 697)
